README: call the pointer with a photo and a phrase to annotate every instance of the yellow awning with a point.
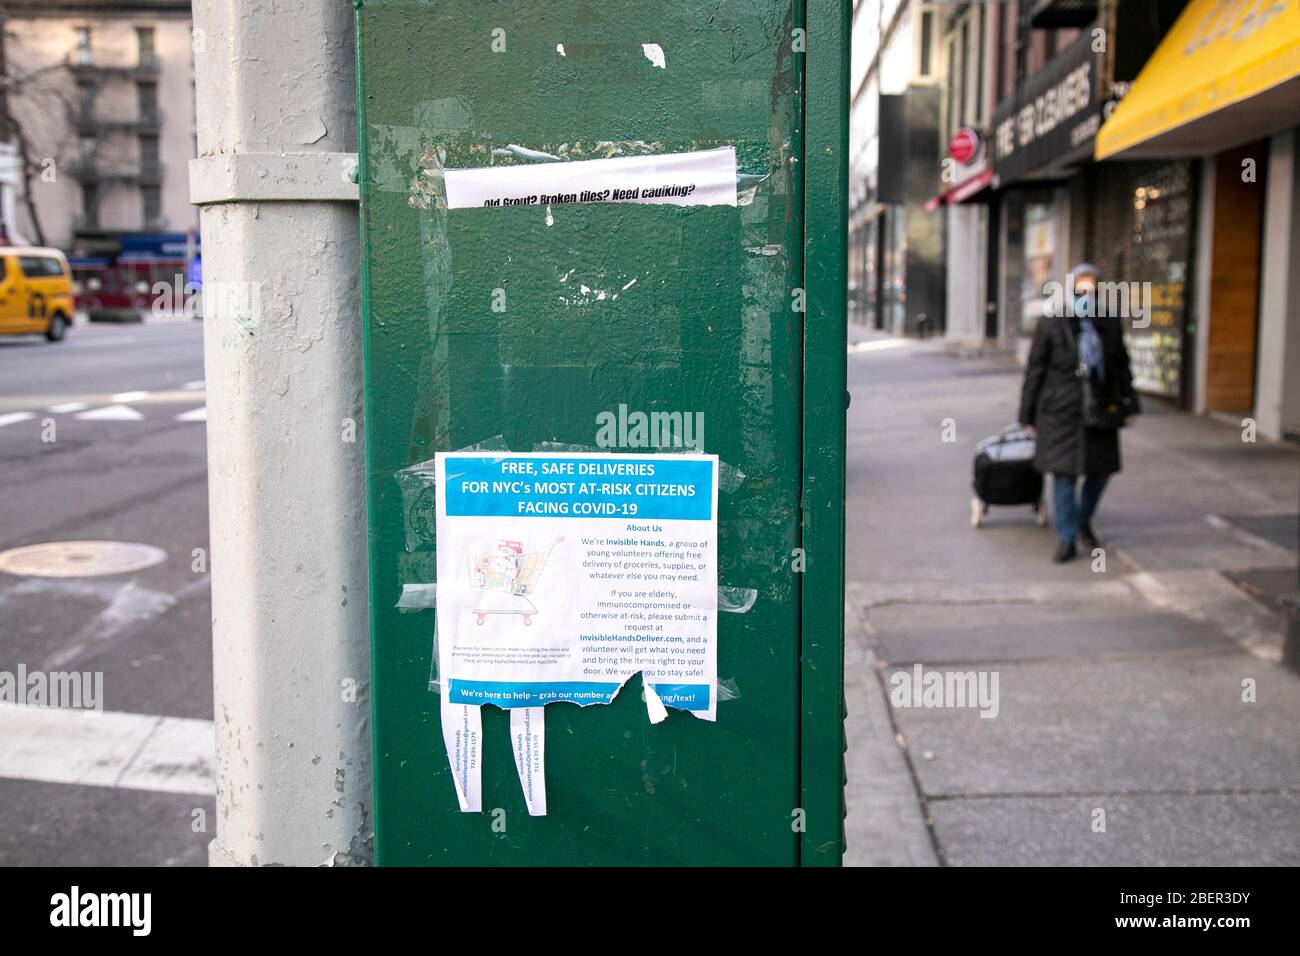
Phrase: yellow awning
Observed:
(1228, 72)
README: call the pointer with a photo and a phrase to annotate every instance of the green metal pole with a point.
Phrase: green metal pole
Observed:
(826, 84)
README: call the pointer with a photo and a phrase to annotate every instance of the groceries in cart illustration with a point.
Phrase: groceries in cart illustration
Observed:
(506, 577)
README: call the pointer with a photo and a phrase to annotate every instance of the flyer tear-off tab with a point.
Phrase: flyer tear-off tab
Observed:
(528, 740)
(562, 574)
(705, 177)
(462, 734)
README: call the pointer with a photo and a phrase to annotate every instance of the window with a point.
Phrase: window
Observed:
(87, 92)
(960, 70)
(144, 45)
(40, 267)
(149, 153)
(927, 25)
(954, 86)
(980, 53)
(147, 95)
(83, 55)
(90, 205)
(151, 203)
(89, 144)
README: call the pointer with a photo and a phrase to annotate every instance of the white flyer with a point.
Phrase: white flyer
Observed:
(560, 575)
(706, 177)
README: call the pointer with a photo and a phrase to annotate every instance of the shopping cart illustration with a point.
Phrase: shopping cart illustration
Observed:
(506, 577)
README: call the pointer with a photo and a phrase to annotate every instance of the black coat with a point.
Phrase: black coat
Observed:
(1052, 398)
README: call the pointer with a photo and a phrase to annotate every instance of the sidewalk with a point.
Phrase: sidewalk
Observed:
(1120, 690)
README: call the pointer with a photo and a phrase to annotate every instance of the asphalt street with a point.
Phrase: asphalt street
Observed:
(102, 439)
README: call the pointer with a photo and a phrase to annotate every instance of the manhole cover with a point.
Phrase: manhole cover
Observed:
(79, 559)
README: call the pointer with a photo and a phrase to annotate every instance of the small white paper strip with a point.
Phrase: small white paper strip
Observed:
(706, 177)
(462, 734)
(654, 707)
(528, 740)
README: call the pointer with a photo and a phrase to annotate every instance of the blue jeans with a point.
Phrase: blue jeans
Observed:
(1069, 512)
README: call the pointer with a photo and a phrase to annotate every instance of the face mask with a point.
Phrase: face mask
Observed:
(1084, 305)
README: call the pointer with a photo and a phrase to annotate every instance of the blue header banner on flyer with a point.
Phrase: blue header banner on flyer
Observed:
(603, 486)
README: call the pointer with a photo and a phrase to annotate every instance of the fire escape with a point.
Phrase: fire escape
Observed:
(104, 159)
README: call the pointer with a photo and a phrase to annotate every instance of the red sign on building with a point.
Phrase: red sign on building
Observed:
(964, 145)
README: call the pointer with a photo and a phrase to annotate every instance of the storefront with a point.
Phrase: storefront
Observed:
(1212, 122)
(864, 266)
(1140, 232)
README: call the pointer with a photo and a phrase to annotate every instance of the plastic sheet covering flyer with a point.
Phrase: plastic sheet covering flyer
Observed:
(560, 575)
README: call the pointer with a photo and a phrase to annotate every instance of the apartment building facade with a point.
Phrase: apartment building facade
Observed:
(100, 110)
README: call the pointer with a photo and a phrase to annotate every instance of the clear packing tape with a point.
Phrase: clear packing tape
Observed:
(462, 723)
(418, 597)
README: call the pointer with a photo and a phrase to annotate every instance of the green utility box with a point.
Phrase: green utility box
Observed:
(527, 312)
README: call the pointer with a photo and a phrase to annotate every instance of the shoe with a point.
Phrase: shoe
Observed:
(1065, 551)
(1087, 536)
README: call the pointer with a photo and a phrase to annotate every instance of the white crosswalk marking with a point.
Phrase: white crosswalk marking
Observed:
(120, 409)
(14, 417)
(111, 413)
(112, 749)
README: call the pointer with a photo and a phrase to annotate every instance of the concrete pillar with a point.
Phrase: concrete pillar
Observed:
(967, 234)
(276, 111)
(1277, 382)
(1202, 273)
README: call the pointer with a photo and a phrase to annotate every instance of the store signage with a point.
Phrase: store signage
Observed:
(1053, 116)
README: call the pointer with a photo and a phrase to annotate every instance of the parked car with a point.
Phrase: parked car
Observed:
(35, 292)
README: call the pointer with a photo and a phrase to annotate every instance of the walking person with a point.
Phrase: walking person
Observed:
(1078, 393)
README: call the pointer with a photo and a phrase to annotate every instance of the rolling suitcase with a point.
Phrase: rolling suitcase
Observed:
(1005, 474)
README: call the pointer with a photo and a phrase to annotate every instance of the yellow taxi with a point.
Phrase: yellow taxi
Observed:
(35, 292)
